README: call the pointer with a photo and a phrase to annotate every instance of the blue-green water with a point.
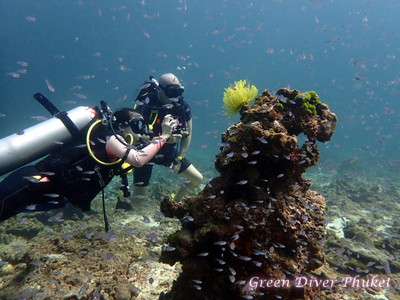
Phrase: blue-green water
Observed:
(345, 50)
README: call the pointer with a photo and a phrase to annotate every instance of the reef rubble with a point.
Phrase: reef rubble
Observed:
(74, 258)
(258, 218)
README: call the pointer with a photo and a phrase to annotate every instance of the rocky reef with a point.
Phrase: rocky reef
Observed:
(74, 258)
(258, 220)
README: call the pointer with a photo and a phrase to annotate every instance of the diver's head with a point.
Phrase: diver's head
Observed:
(169, 88)
(130, 123)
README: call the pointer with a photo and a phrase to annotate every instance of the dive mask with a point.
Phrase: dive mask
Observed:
(173, 90)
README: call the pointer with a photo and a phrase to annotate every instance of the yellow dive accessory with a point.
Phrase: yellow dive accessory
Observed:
(125, 166)
(89, 145)
(153, 115)
(129, 138)
(153, 118)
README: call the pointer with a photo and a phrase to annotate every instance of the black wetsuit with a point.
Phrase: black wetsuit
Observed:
(69, 174)
(153, 112)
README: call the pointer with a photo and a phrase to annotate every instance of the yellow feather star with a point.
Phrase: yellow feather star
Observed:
(238, 95)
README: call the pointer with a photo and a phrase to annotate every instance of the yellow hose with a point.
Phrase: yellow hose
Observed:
(90, 149)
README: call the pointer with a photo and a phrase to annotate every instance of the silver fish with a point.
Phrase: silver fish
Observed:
(46, 173)
(262, 140)
(57, 217)
(220, 243)
(31, 207)
(169, 249)
(50, 86)
(230, 154)
(168, 106)
(245, 258)
(242, 182)
(52, 195)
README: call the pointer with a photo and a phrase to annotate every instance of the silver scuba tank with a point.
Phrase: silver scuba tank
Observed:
(39, 140)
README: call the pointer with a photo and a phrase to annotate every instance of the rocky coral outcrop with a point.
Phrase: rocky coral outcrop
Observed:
(258, 219)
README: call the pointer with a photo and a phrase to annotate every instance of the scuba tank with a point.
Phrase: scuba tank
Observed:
(39, 140)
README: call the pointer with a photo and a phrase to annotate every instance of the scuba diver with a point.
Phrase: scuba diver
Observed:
(155, 100)
(81, 168)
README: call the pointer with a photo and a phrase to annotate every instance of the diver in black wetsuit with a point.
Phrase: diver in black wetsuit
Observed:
(79, 171)
(155, 100)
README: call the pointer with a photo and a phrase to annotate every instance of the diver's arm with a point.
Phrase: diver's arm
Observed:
(139, 158)
(185, 141)
(136, 158)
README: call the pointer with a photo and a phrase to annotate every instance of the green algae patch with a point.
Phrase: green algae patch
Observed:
(310, 101)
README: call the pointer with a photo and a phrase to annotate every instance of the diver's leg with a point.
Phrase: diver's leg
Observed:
(140, 193)
(194, 178)
(141, 183)
(141, 179)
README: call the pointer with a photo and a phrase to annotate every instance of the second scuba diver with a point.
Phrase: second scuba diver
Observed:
(155, 100)
(79, 171)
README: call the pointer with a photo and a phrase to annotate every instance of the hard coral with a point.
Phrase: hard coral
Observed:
(258, 218)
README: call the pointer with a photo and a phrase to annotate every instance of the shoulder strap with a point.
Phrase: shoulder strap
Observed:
(62, 115)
